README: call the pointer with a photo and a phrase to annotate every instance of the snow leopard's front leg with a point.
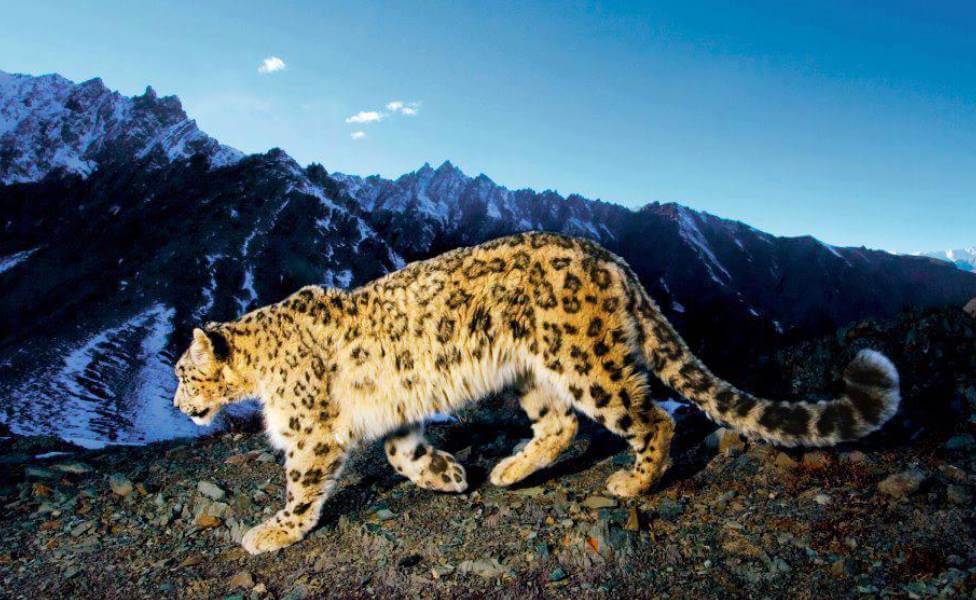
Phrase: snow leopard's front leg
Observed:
(312, 469)
(413, 457)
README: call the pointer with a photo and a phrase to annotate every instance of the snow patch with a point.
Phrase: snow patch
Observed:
(692, 234)
(44, 455)
(11, 261)
(344, 279)
(115, 387)
(209, 292)
(250, 294)
(834, 251)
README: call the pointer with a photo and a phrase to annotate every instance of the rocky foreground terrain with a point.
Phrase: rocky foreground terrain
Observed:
(892, 516)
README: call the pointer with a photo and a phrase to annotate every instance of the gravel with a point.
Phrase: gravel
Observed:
(720, 524)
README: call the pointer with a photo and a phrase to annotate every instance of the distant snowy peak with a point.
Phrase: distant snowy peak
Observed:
(49, 122)
(964, 258)
(437, 203)
(427, 191)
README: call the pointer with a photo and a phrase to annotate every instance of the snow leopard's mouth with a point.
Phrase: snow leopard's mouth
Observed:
(201, 417)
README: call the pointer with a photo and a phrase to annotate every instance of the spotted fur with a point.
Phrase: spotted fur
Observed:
(561, 317)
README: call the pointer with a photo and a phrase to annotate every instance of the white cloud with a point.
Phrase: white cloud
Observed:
(366, 116)
(271, 65)
(405, 108)
(393, 108)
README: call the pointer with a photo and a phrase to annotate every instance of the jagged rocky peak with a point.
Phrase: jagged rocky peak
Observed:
(427, 173)
(49, 123)
(447, 167)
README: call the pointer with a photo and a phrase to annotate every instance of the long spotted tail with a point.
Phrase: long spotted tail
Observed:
(871, 396)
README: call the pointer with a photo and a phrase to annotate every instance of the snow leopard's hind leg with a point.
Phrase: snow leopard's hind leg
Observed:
(413, 457)
(553, 428)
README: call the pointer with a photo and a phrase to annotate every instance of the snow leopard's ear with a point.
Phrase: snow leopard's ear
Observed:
(209, 346)
(201, 349)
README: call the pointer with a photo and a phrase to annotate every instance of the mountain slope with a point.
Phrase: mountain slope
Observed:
(124, 226)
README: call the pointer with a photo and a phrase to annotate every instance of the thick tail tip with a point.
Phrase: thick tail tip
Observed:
(873, 387)
(871, 368)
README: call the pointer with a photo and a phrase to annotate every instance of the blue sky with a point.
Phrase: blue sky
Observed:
(855, 122)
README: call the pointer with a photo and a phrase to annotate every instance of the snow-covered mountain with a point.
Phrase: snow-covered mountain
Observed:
(123, 226)
(421, 211)
(964, 258)
(49, 123)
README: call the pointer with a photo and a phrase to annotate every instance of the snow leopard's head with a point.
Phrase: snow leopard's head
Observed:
(207, 381)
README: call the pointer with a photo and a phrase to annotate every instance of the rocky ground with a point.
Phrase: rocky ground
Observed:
(892, 516)
(730, 519)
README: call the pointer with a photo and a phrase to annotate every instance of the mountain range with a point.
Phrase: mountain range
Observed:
(124, 226)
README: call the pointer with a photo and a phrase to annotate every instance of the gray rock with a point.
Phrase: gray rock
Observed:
(970, 308)
(959, 494)
(785, 461)
(237, 530)
(854, 457)
(297, 593)
(323, 562)
(211, 490)
(725, 441)
(822, 499)
(74, 468)
(902, 484)
(82, 528)
(40, 473)
(242, 579)
(670, 509)
(816, 459)
(597, 502)
(488, 568)
(384, 514)
(214, 509)
(960, 442)
(954, 473)
(439, 571)
(120, 484)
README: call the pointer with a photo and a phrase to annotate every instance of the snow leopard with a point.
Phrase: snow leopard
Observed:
(563, 319)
